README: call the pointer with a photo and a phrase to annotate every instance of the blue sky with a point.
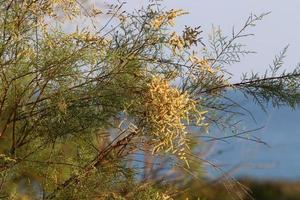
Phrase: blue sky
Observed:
(272, 34)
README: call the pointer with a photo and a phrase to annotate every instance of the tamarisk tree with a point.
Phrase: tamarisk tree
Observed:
(81, 109)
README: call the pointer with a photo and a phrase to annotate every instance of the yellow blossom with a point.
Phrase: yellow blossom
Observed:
(162, 196)
(172, 14)
(70, 8)
(176, 42)
(202, 63)
(157, 22)
(163, 112)
(62, 106)
(168, 18)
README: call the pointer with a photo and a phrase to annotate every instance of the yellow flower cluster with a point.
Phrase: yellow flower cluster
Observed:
(70, 8)
(158, 21)
(165, 109)
(168, 18)
(202, 63)
(6, 158)
(176, 42)
(89, 37)
(62, 106)
(172, 14)
(162, 196)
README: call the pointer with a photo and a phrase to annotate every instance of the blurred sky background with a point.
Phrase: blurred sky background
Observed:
(281, 159)
(272, 34)
(277, 30)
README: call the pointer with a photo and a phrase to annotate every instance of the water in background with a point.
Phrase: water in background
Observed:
(280, 159)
